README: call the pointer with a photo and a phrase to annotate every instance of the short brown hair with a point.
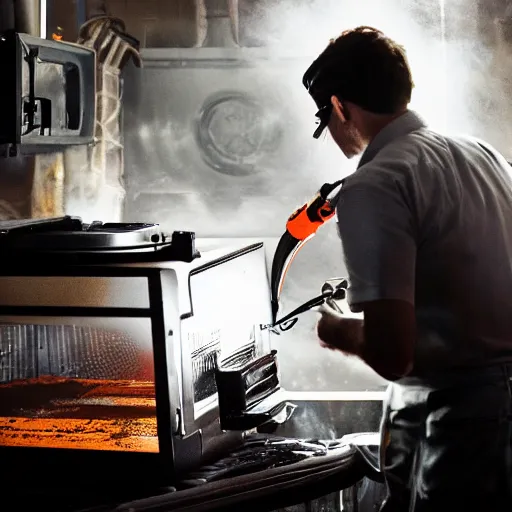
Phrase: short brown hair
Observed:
(365, 67)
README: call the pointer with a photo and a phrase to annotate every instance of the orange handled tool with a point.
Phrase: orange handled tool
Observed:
(305, 221)
(301, 226)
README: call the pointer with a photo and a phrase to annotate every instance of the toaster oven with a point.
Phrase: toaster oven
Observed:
(127, 354)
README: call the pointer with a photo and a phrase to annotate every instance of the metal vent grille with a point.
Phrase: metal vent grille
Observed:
(205, 350)
(32, 351)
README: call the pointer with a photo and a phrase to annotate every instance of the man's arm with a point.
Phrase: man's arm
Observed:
(384, 340)
(378, 234)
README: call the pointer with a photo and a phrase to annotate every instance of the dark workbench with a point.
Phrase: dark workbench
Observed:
(318, 477)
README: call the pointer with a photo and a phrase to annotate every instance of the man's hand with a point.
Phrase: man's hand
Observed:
(337, 332)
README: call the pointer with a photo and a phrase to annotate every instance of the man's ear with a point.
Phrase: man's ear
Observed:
(338, 108)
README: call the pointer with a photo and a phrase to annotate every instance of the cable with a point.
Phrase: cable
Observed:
(329, 296)
(317, 301)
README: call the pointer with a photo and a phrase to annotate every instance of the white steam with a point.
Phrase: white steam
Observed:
(454, 92)
(459, 88)
(443, 61)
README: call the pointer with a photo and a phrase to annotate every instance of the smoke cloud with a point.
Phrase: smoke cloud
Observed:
(459, 88)
(441, 39)
(454, 92)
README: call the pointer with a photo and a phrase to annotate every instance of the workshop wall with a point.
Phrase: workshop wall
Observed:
(158, 24)
(154, 23)
(176, 178)
(240, 170)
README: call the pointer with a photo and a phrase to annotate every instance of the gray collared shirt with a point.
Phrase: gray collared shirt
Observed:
(427, 219)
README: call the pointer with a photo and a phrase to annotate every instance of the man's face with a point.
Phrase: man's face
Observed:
(344, 130)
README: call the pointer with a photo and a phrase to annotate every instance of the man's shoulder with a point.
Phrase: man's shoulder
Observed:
(416, 151)
(397, 159)
(417, 143)
(412, 146)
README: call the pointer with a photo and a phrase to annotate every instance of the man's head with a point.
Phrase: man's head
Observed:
(360, 83)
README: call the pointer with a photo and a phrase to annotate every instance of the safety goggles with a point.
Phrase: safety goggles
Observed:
(323, 117)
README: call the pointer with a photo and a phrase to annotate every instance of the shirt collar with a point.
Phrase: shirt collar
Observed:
(403, 125)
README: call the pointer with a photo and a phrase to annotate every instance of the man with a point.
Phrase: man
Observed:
(426, 228)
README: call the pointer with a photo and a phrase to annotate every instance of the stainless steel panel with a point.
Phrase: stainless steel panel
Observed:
(229, 304)
(130, 292)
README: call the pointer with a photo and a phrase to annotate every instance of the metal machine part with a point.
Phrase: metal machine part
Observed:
(334, 292)
(69, 240)
(49, 94)
(235, 131)
(108, 352)
(336, 288)
(248, 391)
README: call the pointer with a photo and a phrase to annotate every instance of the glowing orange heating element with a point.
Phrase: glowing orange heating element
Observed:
(54, 412)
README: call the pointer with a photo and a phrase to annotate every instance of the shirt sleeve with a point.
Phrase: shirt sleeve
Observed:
(376, 228)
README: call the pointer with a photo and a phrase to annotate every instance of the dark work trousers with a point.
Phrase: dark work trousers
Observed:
(447, 445)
